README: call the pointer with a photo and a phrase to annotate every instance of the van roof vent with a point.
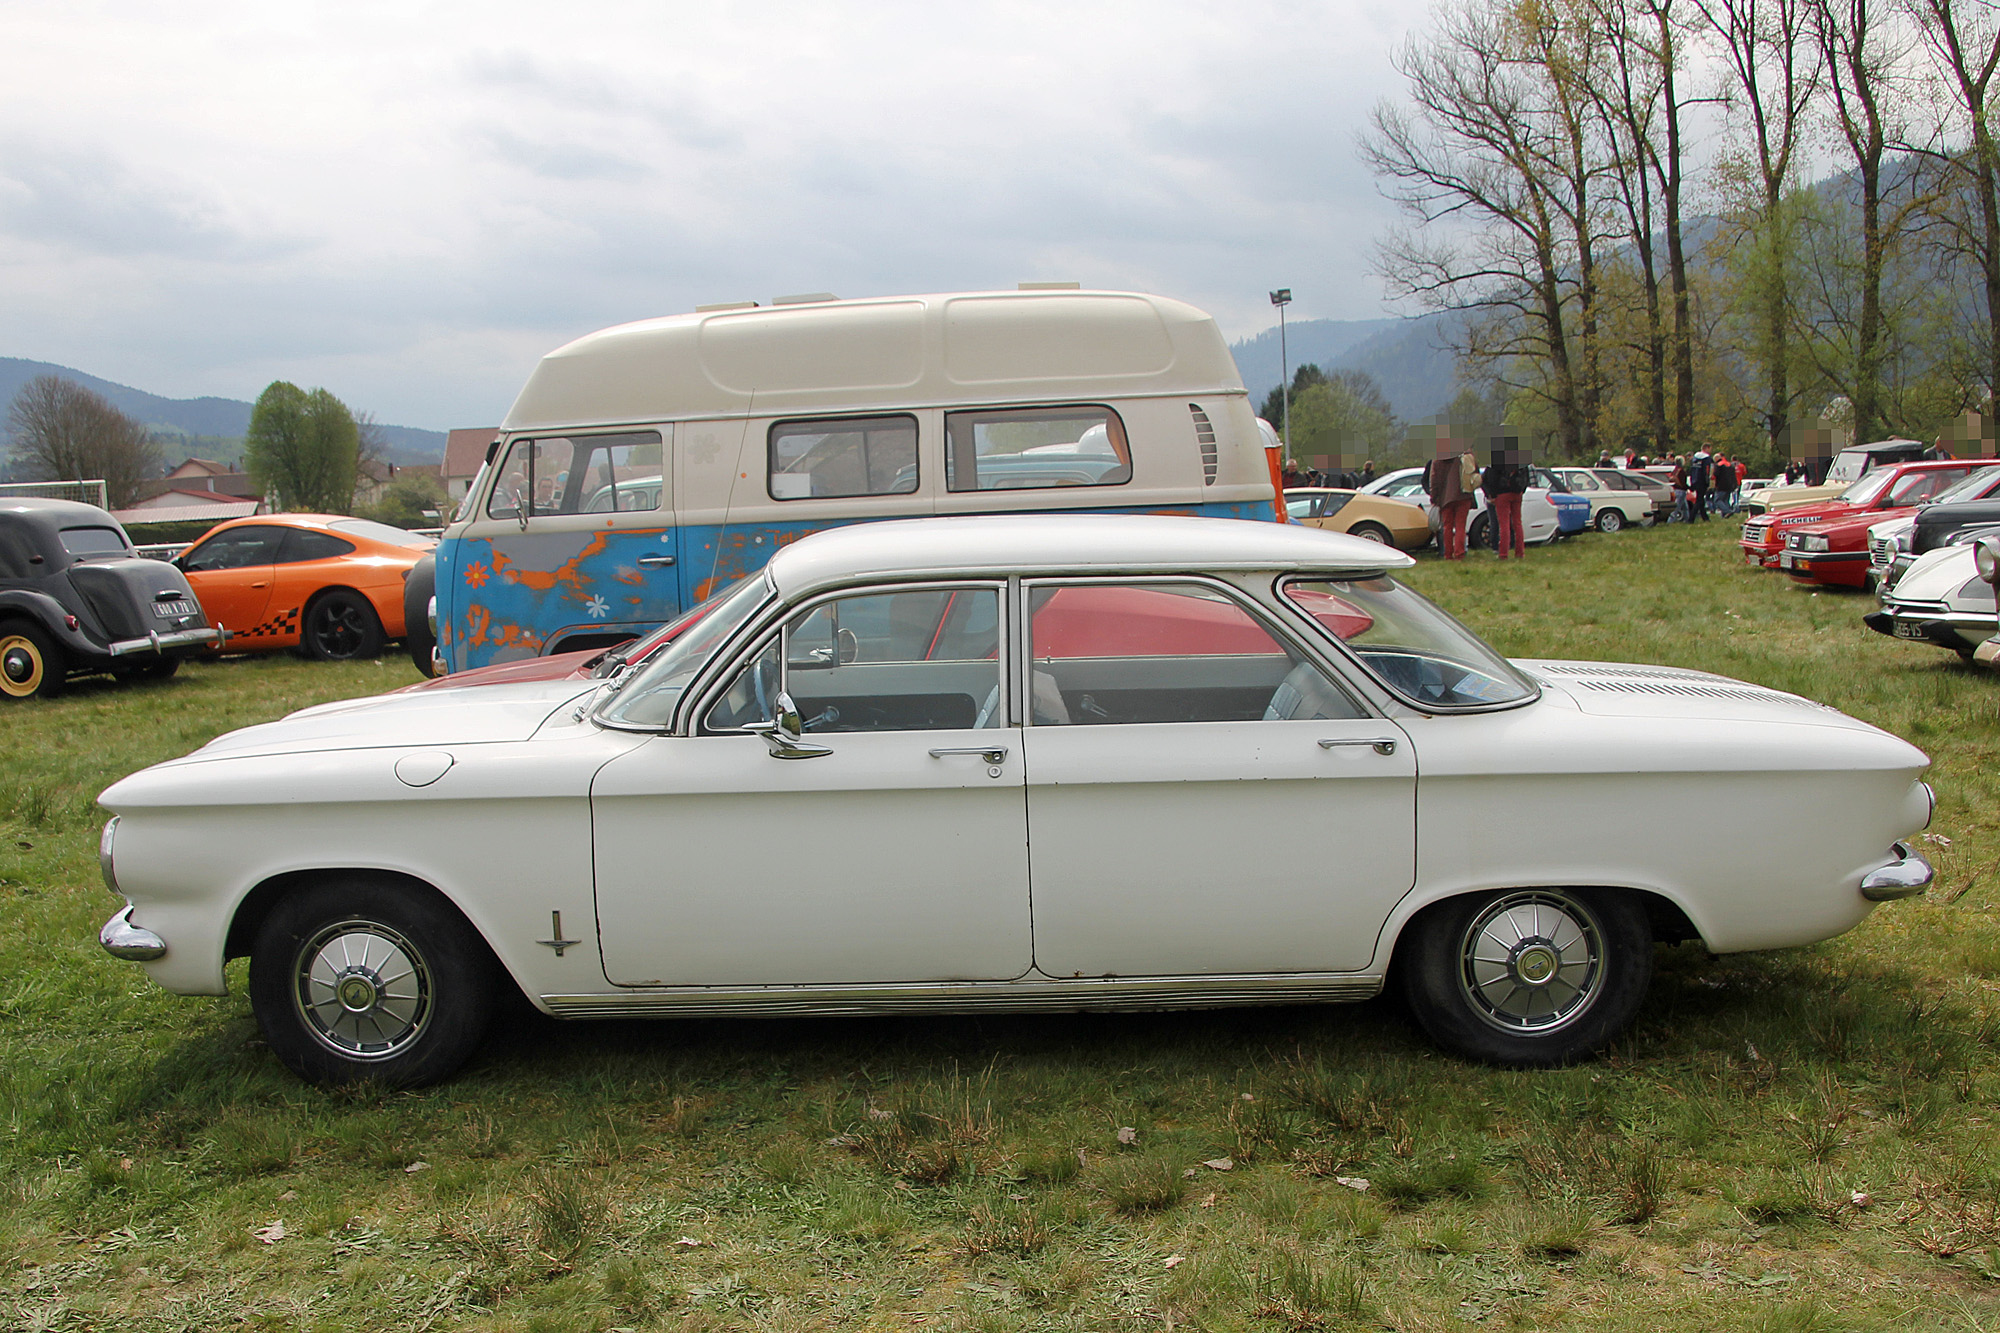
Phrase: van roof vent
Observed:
(725, 305)
(1204, 435)
(804, 298)
(1050, 286)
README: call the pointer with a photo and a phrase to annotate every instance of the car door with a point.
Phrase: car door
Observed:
(897, 853)
(1202, 798)
(232, 572)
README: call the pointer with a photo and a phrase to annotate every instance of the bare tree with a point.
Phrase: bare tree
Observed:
(67, 432)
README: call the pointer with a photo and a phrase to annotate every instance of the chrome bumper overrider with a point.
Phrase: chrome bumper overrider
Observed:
(135, 944)
(1988, 654)
(156, 641)
(1909, 874)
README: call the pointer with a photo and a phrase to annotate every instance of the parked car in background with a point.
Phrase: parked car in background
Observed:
(1616, 498)
(1986, 559)
(1120, 708)
(1941, 599)
(1849, 466)
(1972, 503)
(1834, 552)
(75, 600)
(325, 584)
(1878, 495)
(1374, 518)
(1540, 519)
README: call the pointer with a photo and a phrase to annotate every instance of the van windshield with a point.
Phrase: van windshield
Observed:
(648, 700)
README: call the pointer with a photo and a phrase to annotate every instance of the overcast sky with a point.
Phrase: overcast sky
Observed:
(410, 203)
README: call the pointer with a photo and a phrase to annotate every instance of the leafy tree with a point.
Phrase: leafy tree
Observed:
(63, 431)
(410, 502)
(1344, 418)
(304, 448)
(1303, 378)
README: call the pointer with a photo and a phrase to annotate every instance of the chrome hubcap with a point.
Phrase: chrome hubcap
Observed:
(1532, 962)
(18, 663)
(363, 990)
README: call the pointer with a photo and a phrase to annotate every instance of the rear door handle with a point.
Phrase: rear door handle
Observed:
(655, 561)
(1379, 744)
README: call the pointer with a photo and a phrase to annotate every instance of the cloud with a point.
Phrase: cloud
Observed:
(86, 200)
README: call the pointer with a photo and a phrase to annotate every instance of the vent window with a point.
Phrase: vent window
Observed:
(1204, 435)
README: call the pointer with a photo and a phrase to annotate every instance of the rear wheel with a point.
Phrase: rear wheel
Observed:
(417, 593)
(1481, 532)
(1370, 532)
(1610, 520)
(340, 625)
(1528, 976)
(362, 981)
(30, 666)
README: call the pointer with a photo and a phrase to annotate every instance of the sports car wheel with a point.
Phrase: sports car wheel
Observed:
(1528, 976)
(30, 665)
(341, 625)
(359, 981)
(1370, 532)
(1610, 520)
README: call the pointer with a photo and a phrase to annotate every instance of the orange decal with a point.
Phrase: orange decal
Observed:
(475, 575)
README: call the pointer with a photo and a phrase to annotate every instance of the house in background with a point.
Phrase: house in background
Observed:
(373, 477)
(464, 451)
(189, 506)
(201, 475)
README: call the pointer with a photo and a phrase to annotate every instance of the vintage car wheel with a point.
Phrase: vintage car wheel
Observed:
(1370, 532)
(30, 666)
(359, 981)
(1610, 520)
(341, 625)
(1528, 976)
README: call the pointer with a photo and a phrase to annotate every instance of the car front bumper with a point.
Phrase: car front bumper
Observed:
(1906, 876)
(134, 944)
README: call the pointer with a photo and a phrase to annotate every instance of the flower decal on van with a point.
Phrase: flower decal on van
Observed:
(597, 608)
(475, 574)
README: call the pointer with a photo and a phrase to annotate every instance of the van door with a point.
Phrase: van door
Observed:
(574, 546)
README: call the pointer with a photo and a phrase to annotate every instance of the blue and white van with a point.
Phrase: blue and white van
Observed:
(646, 465)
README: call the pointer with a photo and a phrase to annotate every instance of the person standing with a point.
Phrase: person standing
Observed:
(1680, 485)
(1701, 476)
(1724, 487)
(1505, 482)
(1446, 479)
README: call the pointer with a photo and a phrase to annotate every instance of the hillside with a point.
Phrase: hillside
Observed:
(1405, 356)
(216, 424)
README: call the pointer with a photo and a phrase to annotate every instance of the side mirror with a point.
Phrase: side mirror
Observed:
(784, 733)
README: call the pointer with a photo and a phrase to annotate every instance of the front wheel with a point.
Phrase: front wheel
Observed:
(340, 626)
(1370, 532)
(1528, 977)
(1610, 520)
(30, 666)
(361, 981)
(1479, 533)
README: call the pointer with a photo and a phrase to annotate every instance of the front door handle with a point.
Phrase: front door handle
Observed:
(1379, 744)
(992, 754)
(655, 561)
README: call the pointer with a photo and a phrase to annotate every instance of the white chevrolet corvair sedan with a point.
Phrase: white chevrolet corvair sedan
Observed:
(1022, 763)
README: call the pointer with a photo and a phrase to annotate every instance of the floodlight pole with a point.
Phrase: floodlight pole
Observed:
(1282, 298)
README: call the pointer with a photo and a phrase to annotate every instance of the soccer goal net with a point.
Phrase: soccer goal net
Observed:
(89, 492)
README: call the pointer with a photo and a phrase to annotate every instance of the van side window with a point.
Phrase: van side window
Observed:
(583, 474)
(1022, 448)
(820, 460)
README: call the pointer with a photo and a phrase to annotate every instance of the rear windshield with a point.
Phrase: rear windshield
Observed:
(94, 541)
(382, 532)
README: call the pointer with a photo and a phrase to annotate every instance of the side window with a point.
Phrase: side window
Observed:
(1019, 448)
(924, 660)
(305, 545)
(238, 548)
(1920, 486)
(582, 474)
(1166, 652)
(814, 460)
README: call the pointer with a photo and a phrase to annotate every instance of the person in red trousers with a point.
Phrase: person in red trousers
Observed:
(1505, 482)
(1450, 479)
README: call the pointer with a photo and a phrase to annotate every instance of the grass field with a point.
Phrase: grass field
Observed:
(1795, 1141)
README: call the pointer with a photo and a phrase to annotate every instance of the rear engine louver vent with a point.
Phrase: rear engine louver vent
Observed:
(1204, 435)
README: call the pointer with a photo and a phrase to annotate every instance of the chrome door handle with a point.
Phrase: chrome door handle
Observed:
(1380, 744)
(992, 754)
(655, 561)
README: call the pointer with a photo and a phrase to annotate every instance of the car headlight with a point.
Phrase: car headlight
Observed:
(104, 841)
(1809, 541)
(1986, 559)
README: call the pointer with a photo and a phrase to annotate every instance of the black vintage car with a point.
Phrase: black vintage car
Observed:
(75, 600)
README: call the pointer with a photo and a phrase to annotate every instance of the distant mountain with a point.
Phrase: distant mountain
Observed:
(215, 423)
(1406, 357)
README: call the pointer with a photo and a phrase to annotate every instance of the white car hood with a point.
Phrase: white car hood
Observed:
(491, 713)
(1622, 689)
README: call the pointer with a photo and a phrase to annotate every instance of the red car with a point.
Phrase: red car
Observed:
(1884, 493)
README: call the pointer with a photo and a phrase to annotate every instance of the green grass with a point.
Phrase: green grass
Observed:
(967, 1173)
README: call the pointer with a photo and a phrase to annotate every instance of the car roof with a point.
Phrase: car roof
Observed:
(62, 512)
(998, 544)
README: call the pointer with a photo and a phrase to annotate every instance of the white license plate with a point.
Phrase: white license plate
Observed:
(173, 608)
(1788, 560)
(1909, 629)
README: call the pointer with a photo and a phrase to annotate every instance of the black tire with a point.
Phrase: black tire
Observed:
(417, 592)
(356, 980)
(1610, 520)
(31, 667)
(340, 626)
(1371, 532)
(1584, 956)
(1481, 533)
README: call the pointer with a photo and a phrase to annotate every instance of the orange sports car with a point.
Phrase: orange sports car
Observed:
(324, 584)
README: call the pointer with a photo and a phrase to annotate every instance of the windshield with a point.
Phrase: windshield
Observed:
(1410, 645)
(1862, 493)
(648, 700)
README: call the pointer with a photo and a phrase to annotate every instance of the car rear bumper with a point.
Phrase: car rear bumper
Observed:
(157, 642)
(1904, 877)
(134, 944)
